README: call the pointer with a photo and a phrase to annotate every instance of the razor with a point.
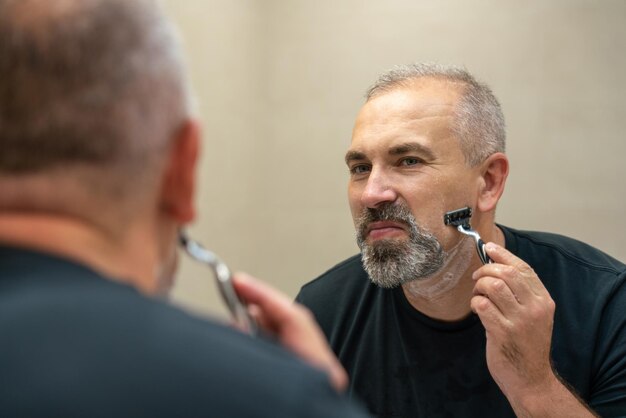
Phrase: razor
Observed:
(224, 281)
(461, 219)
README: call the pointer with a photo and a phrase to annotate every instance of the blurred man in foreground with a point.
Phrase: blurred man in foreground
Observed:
(97, 171)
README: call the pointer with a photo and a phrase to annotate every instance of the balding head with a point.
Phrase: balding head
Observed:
(94, 87)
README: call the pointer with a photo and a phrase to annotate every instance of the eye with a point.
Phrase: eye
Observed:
(359, 169)
(409, 161)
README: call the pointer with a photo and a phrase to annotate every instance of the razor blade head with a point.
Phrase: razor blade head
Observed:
(458, 217)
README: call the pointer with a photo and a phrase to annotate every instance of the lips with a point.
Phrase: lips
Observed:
(385, 229)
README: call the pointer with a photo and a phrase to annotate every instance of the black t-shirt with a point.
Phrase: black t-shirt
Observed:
(76, 344)
(404, 364)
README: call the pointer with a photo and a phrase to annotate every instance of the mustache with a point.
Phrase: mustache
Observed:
(386, 212)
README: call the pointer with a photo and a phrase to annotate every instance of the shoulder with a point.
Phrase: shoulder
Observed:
(339, 295)
(584, 281)
(554, 249)
(218, 366)
(341, 278)
(349, 268)
(92, 341)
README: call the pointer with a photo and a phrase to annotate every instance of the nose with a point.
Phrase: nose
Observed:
(379, 189)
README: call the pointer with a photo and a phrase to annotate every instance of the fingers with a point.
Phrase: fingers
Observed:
(273, 310)
(509, 285)
(257, 314)
(498, 293)
(517, 312)
(500, 255)
(272, 307)
(517, 275)
(255, 292)
(509, 292)
(292, 324)
(490, 315)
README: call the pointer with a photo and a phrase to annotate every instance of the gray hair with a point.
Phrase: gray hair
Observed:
(90, 83)
(479, 122)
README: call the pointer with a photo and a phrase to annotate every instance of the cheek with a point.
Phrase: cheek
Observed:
(354, 201)
(460, 196)
(427, 203)
(430, 205)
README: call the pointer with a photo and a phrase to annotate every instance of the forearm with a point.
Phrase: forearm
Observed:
(553, 400)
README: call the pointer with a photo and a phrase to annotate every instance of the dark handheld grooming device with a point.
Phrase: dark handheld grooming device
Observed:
(461, 219)
(222, 273)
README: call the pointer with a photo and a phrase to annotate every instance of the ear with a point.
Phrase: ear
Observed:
(178, 190)
(494, 172)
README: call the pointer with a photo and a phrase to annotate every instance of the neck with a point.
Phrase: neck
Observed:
(446, 296)
(120, 257)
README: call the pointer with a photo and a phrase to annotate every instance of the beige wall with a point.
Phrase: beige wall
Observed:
(279, 83)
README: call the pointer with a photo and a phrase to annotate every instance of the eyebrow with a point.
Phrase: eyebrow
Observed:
(400, 149)
(354, 156)
(409, 147)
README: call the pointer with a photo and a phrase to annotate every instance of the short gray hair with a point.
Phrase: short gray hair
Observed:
(97, 83)
(479, 122)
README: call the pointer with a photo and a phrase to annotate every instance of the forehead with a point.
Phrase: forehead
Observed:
(421, 111)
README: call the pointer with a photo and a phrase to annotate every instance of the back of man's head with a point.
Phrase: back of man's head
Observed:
(91, 91)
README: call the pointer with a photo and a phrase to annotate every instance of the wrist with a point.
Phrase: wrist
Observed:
(552, 398)
(537, 400)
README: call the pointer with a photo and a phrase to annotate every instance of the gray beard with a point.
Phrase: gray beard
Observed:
(393, 262)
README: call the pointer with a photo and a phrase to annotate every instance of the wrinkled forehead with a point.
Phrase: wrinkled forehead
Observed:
(415, 98)
(422, 112)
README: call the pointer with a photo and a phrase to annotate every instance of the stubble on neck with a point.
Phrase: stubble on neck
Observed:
(446, 294)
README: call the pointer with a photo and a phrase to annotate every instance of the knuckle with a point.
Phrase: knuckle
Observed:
(480, 303)
(550, 306)
(536, 315)
(479, 286)
(525, 269)
(497, 285)
(509, 271)
(542, 311)
(486, 283)
(493, 286)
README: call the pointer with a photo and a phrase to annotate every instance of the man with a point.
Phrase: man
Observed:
(97, 161)
(422, 327)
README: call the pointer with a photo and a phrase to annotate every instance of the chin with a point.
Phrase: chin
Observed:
(387, 240)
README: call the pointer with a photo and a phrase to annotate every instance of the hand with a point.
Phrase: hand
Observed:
(518, 314)
(292, 324)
